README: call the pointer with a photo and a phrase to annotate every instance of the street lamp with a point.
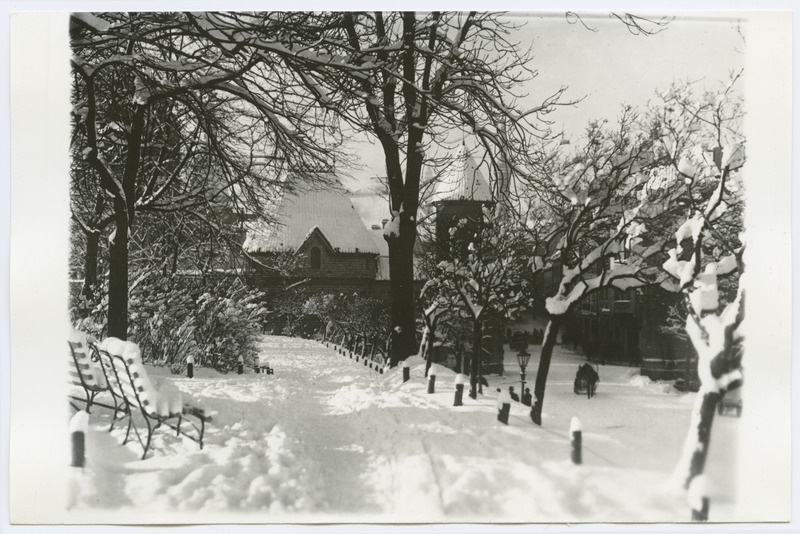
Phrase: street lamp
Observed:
(522, 359)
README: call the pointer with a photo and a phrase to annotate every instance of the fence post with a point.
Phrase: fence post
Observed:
(78, 426)
(503, 405)
(460, 380)
(575, 431)
(406, 371)
(698, 498)
(190, 366)
(432, 379)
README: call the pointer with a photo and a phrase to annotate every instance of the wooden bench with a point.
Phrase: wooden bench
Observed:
(86, 373)
(128, 379)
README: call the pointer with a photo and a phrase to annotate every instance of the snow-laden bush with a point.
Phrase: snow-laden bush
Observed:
(172, 318)
(349, 313)
(228, 323)
(161, 322)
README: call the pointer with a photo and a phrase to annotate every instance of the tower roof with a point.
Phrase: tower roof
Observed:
(463, 181)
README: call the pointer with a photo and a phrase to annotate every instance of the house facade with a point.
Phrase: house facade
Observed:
(327, 243)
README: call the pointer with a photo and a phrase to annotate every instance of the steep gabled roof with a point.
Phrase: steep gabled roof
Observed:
(299, 214)
(463, 181)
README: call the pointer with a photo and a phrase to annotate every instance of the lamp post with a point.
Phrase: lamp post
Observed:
(522, 359)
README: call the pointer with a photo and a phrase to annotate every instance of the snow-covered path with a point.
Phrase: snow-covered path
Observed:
(327, 439)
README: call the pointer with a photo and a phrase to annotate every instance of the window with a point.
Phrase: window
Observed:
(314, 258)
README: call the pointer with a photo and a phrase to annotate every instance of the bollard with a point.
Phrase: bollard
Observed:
(190, 366)
(575, 432)
(698, 499)
(432, 379)
(78, 426)
(406, 372)
(364, 360)
(460, 380)
(240, 365)
(503, 406)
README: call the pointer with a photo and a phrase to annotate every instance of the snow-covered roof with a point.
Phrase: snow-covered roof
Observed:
(299, 214)
(463, 181)
(371, 206)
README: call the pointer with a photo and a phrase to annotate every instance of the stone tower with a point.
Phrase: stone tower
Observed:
(460, 194)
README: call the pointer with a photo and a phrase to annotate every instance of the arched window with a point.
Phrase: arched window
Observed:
(314, 258)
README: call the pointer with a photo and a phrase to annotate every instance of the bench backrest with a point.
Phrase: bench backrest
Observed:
(130, 379)
(82, 370)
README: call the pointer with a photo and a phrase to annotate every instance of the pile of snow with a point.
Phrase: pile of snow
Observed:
(656, 386)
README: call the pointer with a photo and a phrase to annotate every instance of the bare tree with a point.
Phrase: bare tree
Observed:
(701, 133)
(168, 118)
(589, 214)
(486, 271)
(410, 80)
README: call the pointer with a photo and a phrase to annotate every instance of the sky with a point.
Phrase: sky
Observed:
(606, 68)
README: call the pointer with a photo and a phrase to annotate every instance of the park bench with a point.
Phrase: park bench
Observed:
(128, 380)
(86, 373)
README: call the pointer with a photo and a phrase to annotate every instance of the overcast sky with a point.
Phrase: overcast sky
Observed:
(610, 66)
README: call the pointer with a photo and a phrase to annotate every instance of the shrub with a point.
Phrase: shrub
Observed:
(172, 318)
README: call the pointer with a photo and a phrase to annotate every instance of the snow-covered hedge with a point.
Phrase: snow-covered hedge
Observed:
(174, 318)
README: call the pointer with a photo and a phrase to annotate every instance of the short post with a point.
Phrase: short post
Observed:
(503, 405)
(190, 366)
(460, 380)
(406, 371)
(698, 498)
(432, 379)
(575, 431)
(78, 426)
(364, 359)
(240, 365)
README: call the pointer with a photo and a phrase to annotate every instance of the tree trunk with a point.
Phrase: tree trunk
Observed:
(118, 274)
(475, 362)
(401, 275)
(701, 426)
(124, 208)
(431, 339)
(90, 263)
(549, 341)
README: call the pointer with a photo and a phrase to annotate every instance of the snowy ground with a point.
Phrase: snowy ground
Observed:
(327, 439)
